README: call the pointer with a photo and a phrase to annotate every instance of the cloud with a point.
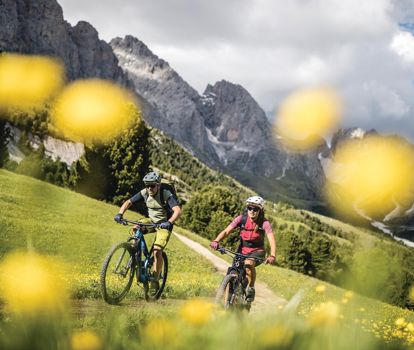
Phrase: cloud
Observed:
(271, 48)
(403, 45)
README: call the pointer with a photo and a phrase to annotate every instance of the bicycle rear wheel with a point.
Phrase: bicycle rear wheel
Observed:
(226, 294)
(117, 273)
(155, 295)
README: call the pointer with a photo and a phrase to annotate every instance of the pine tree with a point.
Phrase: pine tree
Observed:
(4, 137)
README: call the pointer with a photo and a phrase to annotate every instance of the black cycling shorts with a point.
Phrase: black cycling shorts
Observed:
(259, 254)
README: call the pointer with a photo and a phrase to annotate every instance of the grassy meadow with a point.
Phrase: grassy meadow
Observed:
(60, 237)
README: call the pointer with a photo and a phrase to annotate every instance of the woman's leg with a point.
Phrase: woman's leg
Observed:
(250, 271)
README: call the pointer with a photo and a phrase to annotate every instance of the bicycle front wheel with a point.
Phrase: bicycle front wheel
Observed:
(117, 273)
(227, 294)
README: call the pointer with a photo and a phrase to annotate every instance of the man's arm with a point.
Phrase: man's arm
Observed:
(125, 206)
(176, 214)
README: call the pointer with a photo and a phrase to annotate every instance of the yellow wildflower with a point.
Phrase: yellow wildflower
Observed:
(276, 336)
(326, 314)
(27, 82)
(30, 283)
(86, 340)
(411, 295)
(349, 295)
(197, 312)
(161, 332)
(320, 288)
(400, 322)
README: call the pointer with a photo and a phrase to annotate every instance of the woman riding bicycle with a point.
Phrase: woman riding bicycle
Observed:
(253, 227)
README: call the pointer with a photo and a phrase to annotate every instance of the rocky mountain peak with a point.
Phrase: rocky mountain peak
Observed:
(137, 48)
(166, 91)
(232, 115)
(345, 134)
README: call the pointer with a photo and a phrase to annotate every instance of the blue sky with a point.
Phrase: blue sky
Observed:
(362, 48)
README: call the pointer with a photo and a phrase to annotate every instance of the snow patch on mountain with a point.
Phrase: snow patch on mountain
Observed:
(358, 133)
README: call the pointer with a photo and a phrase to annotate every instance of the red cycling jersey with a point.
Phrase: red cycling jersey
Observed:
(248, 233)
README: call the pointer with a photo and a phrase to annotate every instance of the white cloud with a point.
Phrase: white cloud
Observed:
(274, 47)
(403, 44)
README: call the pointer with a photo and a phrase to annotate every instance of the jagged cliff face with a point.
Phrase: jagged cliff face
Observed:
(38, 27)
(165, 90)
(237, 126)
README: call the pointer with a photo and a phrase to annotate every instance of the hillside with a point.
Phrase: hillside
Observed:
(76, 232)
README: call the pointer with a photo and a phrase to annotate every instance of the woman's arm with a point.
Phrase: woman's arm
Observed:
(223, 234)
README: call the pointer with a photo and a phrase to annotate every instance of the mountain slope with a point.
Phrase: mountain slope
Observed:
(226, 125)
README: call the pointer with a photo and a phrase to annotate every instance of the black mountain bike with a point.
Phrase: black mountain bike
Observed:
(127, 259)
(232, 291)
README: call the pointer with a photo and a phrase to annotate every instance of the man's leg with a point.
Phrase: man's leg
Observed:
(161, 240)
(158, 261)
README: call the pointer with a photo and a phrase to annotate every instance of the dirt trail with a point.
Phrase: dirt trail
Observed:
(265, 298)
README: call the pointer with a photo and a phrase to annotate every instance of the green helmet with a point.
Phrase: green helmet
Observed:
(152, 178)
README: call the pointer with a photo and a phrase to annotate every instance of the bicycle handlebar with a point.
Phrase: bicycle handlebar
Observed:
(228, 252)
(142, 224)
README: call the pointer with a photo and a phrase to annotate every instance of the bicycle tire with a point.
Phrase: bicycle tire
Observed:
(119, 278)
(225, 296)
(163, 280)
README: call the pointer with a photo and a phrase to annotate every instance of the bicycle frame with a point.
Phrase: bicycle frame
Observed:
(138, 262)
(140, 247)
(238, 268)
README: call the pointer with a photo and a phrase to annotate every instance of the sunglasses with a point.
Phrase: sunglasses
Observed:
(151, 186)
(255, 209)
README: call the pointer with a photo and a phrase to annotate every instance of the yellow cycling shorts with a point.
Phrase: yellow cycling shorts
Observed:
(162, 236)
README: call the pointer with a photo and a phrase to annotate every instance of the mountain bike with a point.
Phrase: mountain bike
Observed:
(232, 291)
(128, 259)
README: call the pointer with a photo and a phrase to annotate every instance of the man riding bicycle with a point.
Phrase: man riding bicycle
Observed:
(163, 208)
(253, 227)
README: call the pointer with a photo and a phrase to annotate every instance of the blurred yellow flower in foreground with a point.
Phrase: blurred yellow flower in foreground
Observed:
(30, 283)
(277, 335)
(27, 82)
(306, 116)
(86, 340)
(92, 110)
(325, 314)
(349, 295)
(197, 312)
(370, 177)
(320, 288)
(161, 332)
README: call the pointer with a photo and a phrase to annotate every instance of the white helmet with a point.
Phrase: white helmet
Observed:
(256, 200)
